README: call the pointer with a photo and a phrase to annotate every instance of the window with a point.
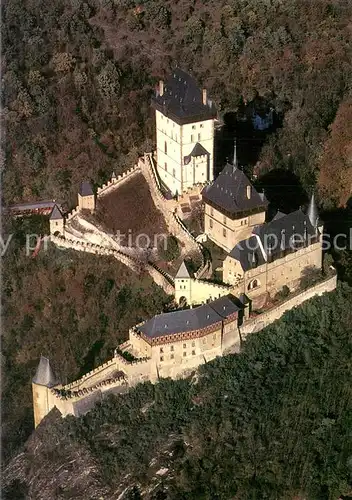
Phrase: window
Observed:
(212, 212)
(201, 125)
(193, 344)
(184, 354)
(174, 172)
(253, 284)
(192, 138)
(165, 147)
(172, 356)
(224, 233)
(211, 224)
(165, 167)
(172, 348)
(184, 346)
(193, 127)
(161, 358)
(198, 137)
(193, 353)
(161, 349)
(224, 219)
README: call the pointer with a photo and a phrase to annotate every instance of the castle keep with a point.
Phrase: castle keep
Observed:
(262, 272)
(184, 133)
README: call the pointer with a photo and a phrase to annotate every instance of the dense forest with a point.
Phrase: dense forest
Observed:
(77, 80)
(273, 422)
(78, 77)
(70, 306)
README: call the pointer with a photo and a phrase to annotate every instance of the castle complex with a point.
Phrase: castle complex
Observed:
(261, 274)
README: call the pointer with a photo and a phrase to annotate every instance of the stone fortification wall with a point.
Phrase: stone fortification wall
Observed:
(115, 181)
(266, 318)
(167, 207)
(108, 187)
(134, 264)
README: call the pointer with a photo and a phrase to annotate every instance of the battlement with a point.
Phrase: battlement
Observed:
(114, 181)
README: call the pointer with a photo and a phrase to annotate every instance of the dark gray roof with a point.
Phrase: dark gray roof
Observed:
(183, 271)
(279, 215)
(225, 306)
(56, 213)
(44, 374)
(277, 234)
(186, 320)
(198, 150)
(229, 192)
(274, 238)
(248, 253)
(85, 189)
(182, 99)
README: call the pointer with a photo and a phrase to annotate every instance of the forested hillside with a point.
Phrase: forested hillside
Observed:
(70, 306)
(273, 422)
(78, 77)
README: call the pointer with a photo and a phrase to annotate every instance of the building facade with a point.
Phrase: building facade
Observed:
(277, 254)
(232, 208)
(184, 133)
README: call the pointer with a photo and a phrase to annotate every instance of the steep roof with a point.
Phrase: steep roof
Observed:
(44, 374)
(85, 189)
(182, 99)
(183, 271)
(225, 306)
(186, 320)
(229, 192)
(56, 213)
(248, 253)
(198, 150)
(273, 238)
(277, 234)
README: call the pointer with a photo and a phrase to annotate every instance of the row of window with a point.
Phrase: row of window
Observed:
(173, 123)
(172, 348)
(172, 356)
(211, 225)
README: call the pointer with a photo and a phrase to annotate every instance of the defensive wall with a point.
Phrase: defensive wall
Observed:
(118, 374)
(267, 317)
(161, 279)
(106, 188)
(174, 223)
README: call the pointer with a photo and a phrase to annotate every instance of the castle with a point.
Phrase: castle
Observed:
(263, 259)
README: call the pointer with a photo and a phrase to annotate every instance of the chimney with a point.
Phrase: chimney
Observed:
(204, 97)
(249, 192)
(161, 87)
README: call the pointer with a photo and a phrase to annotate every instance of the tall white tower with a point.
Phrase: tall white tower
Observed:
(184, 132)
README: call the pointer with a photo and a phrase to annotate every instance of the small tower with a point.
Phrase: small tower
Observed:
(86, 198)
(43, 380)
(57, 221)
(183, 282)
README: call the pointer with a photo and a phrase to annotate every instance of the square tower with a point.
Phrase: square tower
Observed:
(184, 133)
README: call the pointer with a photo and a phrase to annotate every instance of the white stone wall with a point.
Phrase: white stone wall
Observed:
(174, 142)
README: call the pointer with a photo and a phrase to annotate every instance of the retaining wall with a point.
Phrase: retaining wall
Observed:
(266, 318)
